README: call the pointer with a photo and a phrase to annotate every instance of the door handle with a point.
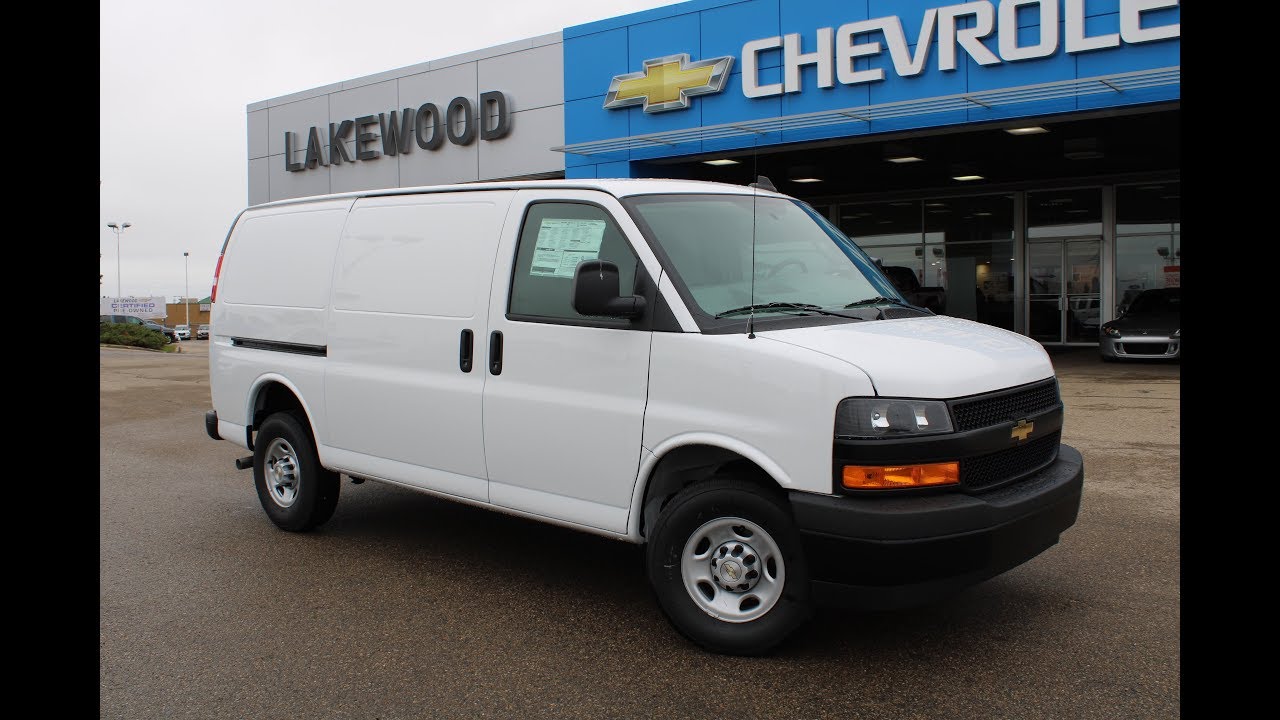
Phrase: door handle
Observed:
(495, 352)
(465, 345)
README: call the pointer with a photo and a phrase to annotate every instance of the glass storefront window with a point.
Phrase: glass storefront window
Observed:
(1144, 262)
(883, 223)
(1149, 208)
(962, 219)
(979, 279)
(1064, 213)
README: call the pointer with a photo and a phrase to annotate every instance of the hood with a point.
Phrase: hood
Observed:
(928, 357)
(1155, 323)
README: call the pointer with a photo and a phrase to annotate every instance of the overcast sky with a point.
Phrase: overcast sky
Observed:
(176, 77)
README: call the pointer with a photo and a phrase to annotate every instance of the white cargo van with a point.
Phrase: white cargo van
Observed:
(711, 370)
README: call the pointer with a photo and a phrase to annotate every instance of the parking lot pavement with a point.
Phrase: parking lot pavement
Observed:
(406, 606)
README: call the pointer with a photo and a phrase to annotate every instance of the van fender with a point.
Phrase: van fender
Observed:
(650, 459)
(252, 397)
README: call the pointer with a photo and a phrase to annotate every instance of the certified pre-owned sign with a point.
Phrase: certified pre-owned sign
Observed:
(426, 127)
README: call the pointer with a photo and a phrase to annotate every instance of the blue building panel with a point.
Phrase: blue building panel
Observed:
(724, 28)
(589, 58)
(596, 52)
(668, 36)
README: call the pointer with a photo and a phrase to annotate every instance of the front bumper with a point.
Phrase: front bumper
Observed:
(886, 552)
(1139, 347)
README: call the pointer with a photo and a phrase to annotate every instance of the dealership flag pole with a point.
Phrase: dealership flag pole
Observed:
(186, 286)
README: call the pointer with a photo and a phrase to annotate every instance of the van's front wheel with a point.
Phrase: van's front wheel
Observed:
(296, 492)
(725, 562)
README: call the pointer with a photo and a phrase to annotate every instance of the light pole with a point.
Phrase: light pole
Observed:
(186, 287)
(118, 229)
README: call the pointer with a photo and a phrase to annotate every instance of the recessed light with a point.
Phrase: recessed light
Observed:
(935, 204)
(934, 212)
(901, 204)
(1033, 130)
(982, 214)
(904, 159)
(721, 161)
(806, 180)
(967, 178)
(885, 222)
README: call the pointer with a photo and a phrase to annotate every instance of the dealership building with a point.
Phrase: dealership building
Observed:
(1018, 159)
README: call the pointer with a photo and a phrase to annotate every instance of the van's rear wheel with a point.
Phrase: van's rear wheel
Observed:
(725, 562)
(296, 492)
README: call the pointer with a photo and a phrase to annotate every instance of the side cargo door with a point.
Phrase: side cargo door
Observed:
(410, 299)
(565, 398)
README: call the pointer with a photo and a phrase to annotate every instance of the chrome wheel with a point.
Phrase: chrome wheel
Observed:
(280, 469)
(732, 569)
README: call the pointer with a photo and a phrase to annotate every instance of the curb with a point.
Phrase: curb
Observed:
(133, 347)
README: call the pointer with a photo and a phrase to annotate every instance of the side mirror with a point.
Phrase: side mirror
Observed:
(595, 292)
(879, 261)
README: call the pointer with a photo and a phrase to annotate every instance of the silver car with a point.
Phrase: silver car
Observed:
(1150, 328)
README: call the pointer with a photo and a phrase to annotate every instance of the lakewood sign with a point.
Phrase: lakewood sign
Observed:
(427, 127)
(142, 307)
(973, 28)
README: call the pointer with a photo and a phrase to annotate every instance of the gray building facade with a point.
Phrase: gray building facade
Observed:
(414, 126)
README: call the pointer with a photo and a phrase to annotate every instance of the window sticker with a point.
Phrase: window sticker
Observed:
(562, 244)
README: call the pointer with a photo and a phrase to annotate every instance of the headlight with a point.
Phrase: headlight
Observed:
(1108, 330)
(890, 417)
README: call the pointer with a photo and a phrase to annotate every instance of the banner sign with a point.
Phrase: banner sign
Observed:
(143, 307)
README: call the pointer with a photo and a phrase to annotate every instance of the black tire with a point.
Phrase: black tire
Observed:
(314, 489)
(695, 507)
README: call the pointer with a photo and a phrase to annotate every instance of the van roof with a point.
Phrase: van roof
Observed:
(618, 187)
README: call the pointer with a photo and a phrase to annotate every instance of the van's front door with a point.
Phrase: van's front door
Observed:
(565, 397)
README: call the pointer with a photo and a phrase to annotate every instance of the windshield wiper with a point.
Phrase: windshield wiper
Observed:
(802, 307)
(890, 301)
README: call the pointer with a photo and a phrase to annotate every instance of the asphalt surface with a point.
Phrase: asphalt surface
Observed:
(406, 606)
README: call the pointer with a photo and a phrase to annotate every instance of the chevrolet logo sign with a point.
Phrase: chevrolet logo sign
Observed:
(1022, 430)
(667, 83)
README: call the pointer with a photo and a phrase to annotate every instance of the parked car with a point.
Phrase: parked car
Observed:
(183, 332)
(168, 332)
(1150, 328)
(202, 332)
(905, 281)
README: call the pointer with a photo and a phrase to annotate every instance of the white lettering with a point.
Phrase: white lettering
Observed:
(793, 60)
(1131, 21)
(847, 51)
(751, 86)
(903, 63)
(1048, 44)
(1076, 40)
(968, 38)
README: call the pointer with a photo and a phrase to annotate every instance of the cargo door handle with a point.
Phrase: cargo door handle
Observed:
(465, 352)
(495, 352)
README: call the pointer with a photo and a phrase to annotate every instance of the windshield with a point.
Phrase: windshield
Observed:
(799, 259)
(1157, 302)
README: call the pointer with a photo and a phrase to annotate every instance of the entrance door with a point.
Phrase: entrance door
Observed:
(1063, 292)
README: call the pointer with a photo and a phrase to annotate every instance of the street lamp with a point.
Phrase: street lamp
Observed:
(118, 229)
(186, 274)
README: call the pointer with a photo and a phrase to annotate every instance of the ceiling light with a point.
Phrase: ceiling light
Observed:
(722, 161)
(904, 159)
(982, 214)
(935, 204)
(806, 180)
(967, 178)
(1033, 130)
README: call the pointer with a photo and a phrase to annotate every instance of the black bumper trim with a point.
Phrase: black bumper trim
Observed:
(896, 551)
(211, 424)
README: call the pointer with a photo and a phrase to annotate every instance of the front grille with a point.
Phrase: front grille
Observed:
(1004, 406)
(1146, 348)
(987, 471)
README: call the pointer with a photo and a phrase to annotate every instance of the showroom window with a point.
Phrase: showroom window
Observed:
(1148, 239)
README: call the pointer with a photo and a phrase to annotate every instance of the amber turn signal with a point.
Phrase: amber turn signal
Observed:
(864, 477)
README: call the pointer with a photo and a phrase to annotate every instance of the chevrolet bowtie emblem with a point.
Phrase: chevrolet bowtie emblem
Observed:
(667, 83)
(1022, 430)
